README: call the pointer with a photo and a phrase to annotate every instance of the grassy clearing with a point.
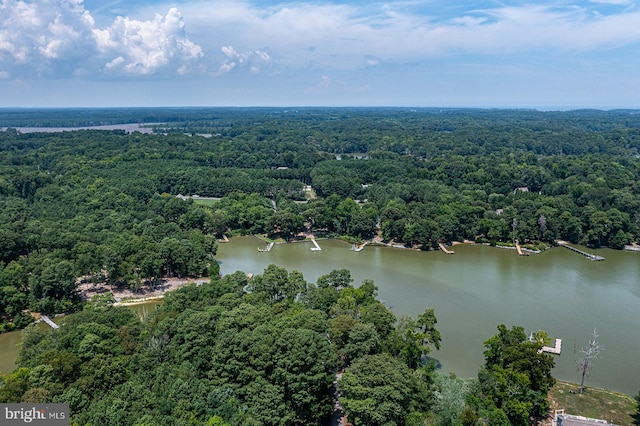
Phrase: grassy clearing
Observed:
(310, 194)
(205, 201)
(596, 403)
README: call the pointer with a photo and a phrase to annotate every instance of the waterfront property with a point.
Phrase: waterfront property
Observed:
(481, 287)
(562, 419)
(589, 256)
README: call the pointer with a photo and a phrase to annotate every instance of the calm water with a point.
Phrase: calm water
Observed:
(472, 292)
(10, 342)
(480, 287)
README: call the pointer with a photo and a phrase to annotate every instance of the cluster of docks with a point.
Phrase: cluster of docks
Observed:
(519, 249)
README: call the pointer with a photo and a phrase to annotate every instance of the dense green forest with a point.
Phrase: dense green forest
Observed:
(265, 351)
(103, 207)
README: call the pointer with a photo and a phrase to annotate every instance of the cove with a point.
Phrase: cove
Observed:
(472, 292)
(479, 287)
(10, 342)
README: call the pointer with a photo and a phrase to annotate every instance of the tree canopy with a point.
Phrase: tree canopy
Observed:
(111, 206)
(236, 350)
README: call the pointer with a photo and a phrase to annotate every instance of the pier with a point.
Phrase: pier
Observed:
(445, 250)
(315, 243)
(51, 323)
(357, 248)
(269, 247)
(555, 349)
(584, 253)
(519, 250)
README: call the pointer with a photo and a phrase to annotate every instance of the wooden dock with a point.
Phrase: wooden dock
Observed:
(357, 248)
(316, 246)
(584, 253)
(555, 349)
(445, 250)
(51, 323)
(268, 248)
(519, 250)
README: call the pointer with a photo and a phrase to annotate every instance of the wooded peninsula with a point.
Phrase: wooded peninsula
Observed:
(127, 209)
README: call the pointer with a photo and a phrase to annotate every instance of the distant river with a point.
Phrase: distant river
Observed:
(476, 289)
(479, 287)
(129, 127)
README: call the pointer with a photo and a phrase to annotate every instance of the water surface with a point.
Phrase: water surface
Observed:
(479, 287)
(472, 292)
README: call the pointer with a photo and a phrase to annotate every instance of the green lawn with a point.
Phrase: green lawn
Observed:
(602, 404)
(205, 201)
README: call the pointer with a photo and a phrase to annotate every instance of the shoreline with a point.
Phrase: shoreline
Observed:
(141, 301)
(125, 296)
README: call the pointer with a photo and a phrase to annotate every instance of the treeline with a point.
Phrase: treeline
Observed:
(266, 351)
(102, 206)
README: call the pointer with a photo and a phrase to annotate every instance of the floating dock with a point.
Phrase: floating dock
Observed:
(315, 243)
(269, 247)
(446, 250)
(584, 253)
(555, 349)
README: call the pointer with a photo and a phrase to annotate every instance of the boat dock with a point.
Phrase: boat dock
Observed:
(357, 248)
(51, 323)
(445, 250)
(584, 253)
(269, 247)
(555, 349)
(315, 243)
(519, 250)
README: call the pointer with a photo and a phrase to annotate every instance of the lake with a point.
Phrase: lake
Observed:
(479, 287)
(474, 290)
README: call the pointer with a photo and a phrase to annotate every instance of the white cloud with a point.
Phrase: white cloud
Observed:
(59, 38)
(38, 37)
(614, 2)
(145, 47)
(346, 36)
(328, 85)
(254, 60)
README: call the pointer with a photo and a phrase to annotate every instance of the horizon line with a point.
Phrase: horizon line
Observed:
(478, 108)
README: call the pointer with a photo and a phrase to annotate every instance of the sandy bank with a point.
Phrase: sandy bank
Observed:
(129, 296)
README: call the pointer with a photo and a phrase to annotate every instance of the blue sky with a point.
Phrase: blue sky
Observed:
(559, 54)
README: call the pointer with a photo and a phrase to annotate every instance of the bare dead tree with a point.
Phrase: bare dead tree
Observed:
(542, 222)
(588, 356)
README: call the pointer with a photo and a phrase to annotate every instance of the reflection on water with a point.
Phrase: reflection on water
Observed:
(10, 346)
(143, 310)
(9, 342)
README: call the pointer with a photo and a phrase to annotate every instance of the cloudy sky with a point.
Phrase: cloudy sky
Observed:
(547, 54)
